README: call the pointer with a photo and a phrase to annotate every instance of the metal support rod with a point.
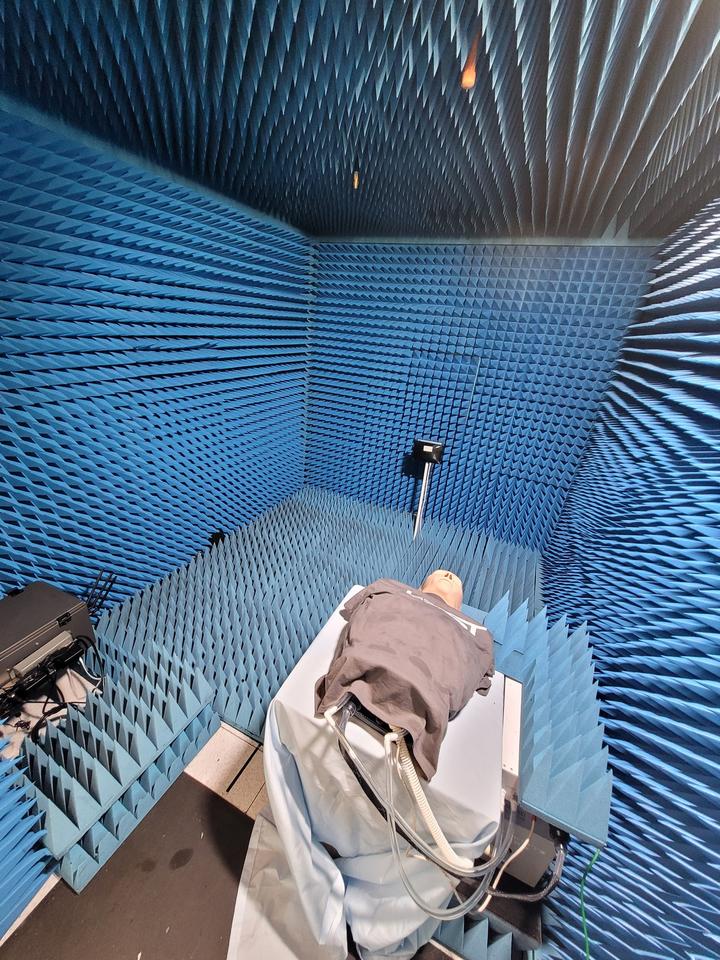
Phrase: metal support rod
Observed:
(427, 470)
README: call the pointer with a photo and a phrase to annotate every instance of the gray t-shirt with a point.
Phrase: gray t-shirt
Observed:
(411, 660)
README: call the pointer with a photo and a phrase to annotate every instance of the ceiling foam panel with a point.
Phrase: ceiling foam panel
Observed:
(586, 119)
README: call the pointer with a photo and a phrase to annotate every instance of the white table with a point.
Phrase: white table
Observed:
(316, 801)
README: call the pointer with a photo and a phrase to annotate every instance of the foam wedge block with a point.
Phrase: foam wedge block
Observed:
(246, 610)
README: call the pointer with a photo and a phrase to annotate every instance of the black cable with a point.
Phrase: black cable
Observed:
(87, 641)
(41, 723)
(45, 677)
(95, 597)
(536, 895)
(57, 701)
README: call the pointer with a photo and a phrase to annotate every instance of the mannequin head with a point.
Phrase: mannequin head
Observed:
(445, 585)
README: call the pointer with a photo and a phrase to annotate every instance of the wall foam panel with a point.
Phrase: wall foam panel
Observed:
(586, 117)
(153, 368)
(247, 609)
(24, 861)
(501, 351)
(636, 555)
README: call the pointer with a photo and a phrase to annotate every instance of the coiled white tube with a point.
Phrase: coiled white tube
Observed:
(430, 852)
(439, 913)
(408, 771)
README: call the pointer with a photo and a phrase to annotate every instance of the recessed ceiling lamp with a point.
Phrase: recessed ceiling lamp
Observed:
(469, 70)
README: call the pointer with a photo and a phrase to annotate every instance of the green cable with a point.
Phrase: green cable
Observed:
(586, 872)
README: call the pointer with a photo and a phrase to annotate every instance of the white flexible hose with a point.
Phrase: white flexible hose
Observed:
(404, 762)
(408, 771)
(430, 852)
(438, 913)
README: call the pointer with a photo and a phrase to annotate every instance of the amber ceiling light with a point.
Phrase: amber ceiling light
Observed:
(469, 70)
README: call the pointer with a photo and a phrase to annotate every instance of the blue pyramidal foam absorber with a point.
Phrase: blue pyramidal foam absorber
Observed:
(247, 609)
(503, 352)
(152, 336)
(23, 858)
(475, 940)
(564, 776)
(582, 114)
(635, 554)
(83, 860)
(96, 773)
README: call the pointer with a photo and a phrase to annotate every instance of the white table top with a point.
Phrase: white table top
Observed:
(465, 793)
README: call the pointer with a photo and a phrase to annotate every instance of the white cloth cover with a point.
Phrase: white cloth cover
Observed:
(269, 920)
(295, 899)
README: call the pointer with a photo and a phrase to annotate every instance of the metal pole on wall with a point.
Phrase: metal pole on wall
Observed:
(428, 452)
